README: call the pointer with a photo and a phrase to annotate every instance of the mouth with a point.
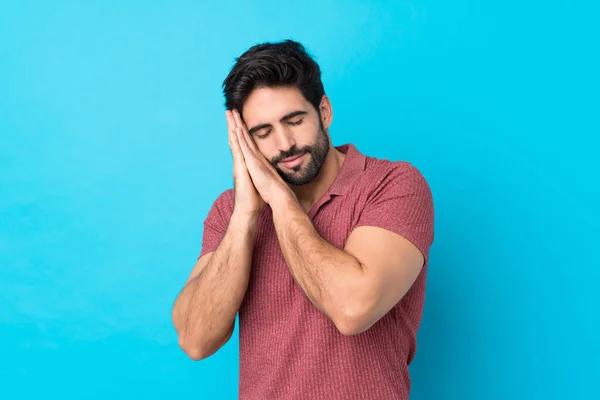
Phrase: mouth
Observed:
(292, 161)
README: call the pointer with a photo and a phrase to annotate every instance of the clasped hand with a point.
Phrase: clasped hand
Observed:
(256, 181)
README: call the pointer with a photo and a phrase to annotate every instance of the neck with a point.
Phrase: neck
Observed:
(310, 193)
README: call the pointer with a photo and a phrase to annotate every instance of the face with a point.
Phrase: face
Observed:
(289, 132)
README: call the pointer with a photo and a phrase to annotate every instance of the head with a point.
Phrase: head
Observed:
(277, 89)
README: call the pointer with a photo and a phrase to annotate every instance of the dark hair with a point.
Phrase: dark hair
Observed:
(284, 63)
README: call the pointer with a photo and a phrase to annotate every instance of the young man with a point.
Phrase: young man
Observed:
(321, 249)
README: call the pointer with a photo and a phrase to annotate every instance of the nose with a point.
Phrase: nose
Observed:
(284, 140)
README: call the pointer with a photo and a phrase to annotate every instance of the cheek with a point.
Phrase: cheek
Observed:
(309, 134)
(265, 149)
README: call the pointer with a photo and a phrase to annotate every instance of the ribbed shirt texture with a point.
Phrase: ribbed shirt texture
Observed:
(288, 349)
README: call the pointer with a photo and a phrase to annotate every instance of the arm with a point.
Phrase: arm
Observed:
(331, 278)
(383, 256)
(204, 312)
(353, 287)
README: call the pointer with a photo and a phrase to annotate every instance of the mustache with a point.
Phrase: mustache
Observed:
(291, 153)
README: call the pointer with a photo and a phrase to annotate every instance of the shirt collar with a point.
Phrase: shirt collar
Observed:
(354, 164)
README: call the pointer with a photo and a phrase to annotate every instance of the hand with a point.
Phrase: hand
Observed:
(247, 200)
(267, 181)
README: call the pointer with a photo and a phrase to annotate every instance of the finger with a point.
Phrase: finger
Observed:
(231, 124)
(238, 119)
(235, 146)
(246, 137)
(240, 132)
(240, 137)
(237, 134)
(241, 125)
(247, 145)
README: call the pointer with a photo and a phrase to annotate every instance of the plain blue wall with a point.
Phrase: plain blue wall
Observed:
(113, 147)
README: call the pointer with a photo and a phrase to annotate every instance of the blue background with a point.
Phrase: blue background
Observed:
(113, 147)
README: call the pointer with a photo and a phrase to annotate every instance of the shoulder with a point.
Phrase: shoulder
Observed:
(397, 176)
(398, 199)
(226, 198)
(222, 206)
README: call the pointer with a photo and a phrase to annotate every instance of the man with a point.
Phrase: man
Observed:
(321, 249)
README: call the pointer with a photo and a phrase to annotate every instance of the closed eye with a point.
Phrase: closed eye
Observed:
(289, 122)
(264, 135)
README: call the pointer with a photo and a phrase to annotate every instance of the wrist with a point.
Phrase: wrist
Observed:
(284, 204)
(244, 221)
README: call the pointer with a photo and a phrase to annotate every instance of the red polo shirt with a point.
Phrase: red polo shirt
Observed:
(288, 349)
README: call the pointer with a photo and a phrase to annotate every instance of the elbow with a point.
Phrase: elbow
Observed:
(357, 313)
(187, 342)
(353, 322)
(190, 347)
(346, 330)
(199, 347)
(351, 327)
(192, 350)
(195, 354)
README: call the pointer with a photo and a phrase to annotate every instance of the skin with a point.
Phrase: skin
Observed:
(354, 287)
(264, 108)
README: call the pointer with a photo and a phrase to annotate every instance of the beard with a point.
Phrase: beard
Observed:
(303, 175)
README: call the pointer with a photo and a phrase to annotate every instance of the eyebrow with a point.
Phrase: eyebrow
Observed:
(283, 119)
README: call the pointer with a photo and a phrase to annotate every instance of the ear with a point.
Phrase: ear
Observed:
(326, 111)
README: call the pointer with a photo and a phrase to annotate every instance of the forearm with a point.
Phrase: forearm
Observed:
(205, 310)
(331, 278)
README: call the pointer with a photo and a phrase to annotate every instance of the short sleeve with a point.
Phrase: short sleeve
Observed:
(401, 202)
(216, 222)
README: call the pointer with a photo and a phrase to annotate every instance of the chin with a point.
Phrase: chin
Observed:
(299, 179)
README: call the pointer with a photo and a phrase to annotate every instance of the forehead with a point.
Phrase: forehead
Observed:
(269, 104)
